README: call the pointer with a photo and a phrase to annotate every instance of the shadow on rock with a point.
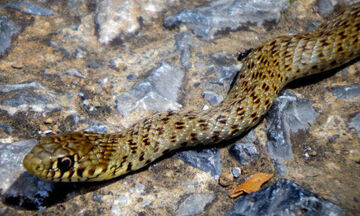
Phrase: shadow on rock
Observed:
(32, 193)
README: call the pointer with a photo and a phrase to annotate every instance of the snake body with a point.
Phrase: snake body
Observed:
(81, 156)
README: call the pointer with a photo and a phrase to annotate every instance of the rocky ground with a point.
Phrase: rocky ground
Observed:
(103, 65)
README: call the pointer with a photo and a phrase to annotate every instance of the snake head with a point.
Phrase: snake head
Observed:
(67, 158)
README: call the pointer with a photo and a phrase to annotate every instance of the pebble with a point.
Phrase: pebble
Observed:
(236, 172)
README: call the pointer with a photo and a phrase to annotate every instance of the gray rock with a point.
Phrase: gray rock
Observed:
(95, 63)
(194, 204)
(325, 7)
(283, 198)
(346, 92)
(157, 92)
(29, 8)
(11, 156)
(116, 19)
(207, 160)
(28, 97)
(288, 114)
(8, 30)
(213, 98)
(184, 43)
(97, 128)
(245, 150)
(6, 128)
(355, 122)
(224, 15)
(13, 87)
(236, 172)
(74, 72)
(24, 98)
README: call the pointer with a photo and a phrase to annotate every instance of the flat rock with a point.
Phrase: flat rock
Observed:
(219, 16)
(157, 92)
(283, 198)
(288, 114)
(207, 160)
(346, 92)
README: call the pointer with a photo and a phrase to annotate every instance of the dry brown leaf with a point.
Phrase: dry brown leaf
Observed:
(251, 185)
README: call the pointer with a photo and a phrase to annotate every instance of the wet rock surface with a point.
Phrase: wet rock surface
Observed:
(284, 198)
(101, 66)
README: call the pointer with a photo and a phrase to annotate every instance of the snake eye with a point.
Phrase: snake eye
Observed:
(65, 163)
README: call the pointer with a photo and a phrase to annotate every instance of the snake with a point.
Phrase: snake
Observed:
(88, 156)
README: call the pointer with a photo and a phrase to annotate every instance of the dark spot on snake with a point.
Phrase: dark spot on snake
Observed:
(193, 136)
(129, 167)
(160, 130)
(165, 151)
(146, 141)
(80, 171)
(339, 49)
(91, 172)
(201, 121)
(273, 43)
(333, 63)
(165, 119)
(141, 158)
(148, 161)
(172, 138)
(253, 115)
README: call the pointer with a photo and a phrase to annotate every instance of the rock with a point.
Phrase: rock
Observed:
(13, 87)
(283, 198)
(213, 98)
(116, 18)
(24, 98)
(6, 128)
(346, 92)
(29, 8)
(236, 172)
(194, 204)
(288, 114)
(224, 15)
(354, 122)
(27, 97)
(74, 72)
(184, 43)
(8, 30)
(97, 128)
(11, 156)
(324, 7)
(245, 150)
(207, 160)
(95, 64)
(157, 92)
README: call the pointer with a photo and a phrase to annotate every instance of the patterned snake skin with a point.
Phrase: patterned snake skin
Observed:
(81, 156)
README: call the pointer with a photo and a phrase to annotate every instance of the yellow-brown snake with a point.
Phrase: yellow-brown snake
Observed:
(81, 156)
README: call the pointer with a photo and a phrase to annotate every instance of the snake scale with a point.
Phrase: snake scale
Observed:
(82, 156)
